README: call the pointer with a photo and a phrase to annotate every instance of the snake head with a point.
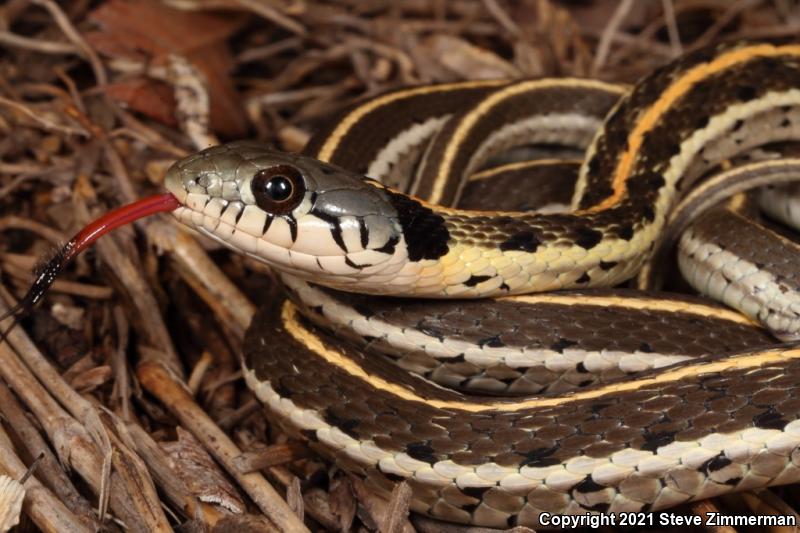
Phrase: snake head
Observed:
(297, 214)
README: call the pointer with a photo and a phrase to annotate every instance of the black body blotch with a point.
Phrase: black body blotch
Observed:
(425, 231)
(346, 425)
(492, 342)
(524, 241)
(561, 344)
(588, 485)
(540, 457)
(588, 238)
(363, 310)
(716, 463)
(421, 452)
(474, 280)
(769, 419)
(654, 441)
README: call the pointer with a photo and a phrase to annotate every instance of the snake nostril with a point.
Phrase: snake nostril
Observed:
(207, 180)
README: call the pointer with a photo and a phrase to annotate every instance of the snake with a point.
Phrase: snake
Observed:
(397, 261)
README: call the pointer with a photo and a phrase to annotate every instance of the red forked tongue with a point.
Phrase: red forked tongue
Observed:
(46, 275)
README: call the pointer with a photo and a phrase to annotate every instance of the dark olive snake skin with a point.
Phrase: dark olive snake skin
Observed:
(703, 426)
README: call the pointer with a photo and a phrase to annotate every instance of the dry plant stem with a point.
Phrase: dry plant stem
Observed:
(502, 17)
(151, 323)
(84, 445)
(168, 481)
(94, 292)
(47, 375)
(672, 28)
(632, 42)
(768, 32)
(261, 53)
(773, 504)
(234, 418)
(49, 470)
(760, 506)
(173, 395)
(734, 8)
(700, 508)
(199, 372)
(137, 129)
(132, 472)
(44, 508)
(119, 364)
(604, 46)
(73, 35)
(14, 222)
(274, 455)
(223, 297)
(129, 273)
(127, 191)
(40, 120)
(270, 13)
(36, 45)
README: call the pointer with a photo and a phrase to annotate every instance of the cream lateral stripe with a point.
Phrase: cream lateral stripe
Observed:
(466, 125)
(709, 193)
(511, 167)
(315, 345)
(677, 89)
(735, 180)
(634, 303)
(326, 151)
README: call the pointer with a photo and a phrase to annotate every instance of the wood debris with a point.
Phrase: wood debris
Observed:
(126, 378)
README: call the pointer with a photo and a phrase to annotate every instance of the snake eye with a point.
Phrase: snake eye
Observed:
(278, 189)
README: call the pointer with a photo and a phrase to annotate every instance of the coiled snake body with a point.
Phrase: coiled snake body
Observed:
(612, 434)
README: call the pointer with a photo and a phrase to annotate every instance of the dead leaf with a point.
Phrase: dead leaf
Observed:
(91, 379)
(146, 96)
(200, 473)
(147, 31)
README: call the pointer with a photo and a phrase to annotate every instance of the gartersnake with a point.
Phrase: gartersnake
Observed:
(698, 428)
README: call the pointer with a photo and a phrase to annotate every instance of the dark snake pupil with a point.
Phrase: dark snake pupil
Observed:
(278, 188)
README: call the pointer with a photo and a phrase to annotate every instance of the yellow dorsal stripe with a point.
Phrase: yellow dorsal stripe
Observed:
(468, 123)
(334, 139)
(672, 306)
(676, 90)
(317, 348)
(522, 165)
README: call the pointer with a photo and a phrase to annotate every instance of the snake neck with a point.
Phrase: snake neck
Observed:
(673, 127)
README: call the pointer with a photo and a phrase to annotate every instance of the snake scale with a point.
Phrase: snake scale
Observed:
(657, 419)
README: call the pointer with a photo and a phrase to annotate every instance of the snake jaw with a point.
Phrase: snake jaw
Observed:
(340, 231)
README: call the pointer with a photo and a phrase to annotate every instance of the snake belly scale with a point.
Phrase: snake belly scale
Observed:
(695, 429)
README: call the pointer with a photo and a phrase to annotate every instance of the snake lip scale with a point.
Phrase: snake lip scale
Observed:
(339, 216)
